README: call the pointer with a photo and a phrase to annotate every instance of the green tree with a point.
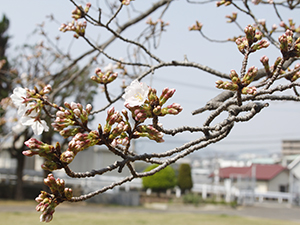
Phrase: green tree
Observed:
(5, 77)
(161, 181)
(185, 181)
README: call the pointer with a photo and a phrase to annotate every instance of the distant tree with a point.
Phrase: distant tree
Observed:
(184, 179)
(5, 77)
(161, 181)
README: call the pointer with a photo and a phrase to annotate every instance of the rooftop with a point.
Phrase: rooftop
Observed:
(260, 171)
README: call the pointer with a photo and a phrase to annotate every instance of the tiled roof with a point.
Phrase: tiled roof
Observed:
(262, 172)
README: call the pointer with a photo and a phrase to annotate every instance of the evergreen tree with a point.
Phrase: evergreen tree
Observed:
(185, 181)
(5, 77)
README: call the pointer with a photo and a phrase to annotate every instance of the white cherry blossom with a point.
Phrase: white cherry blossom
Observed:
(37, 125)
(18, 96)
(31, 119)
(136, 94)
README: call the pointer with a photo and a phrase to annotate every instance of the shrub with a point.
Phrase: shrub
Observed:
(161, 181)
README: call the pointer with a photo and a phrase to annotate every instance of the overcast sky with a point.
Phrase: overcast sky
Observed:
(277, 122)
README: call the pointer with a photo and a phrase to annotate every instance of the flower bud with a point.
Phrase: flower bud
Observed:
(166, 94)
(29, 153)
(234, 77)
(232, 18)
(88, 108)
(265, 61)
(87, 7)
(250, 75)
(198, 26)
(67, 157)
(67, 105)
(68, 192)
(249, 90)
(226, 85)
(50, 166)
(250, 34)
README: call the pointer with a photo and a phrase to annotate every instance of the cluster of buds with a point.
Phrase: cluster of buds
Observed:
(79, 12)
(144, 103)
(262, 23)
(116, 128)
(150, 132)
(227, 85)
(153, 106)
(224, 2)
(248, 43)
(104, 78)
(249, 76)
(288, 47)
(198, 26)
(71, 117)
(78, 143)
(77, 26)
(239, 84)
(232, 18)
(159, 21)
(271, 69)
(38, 148)
(172, 109)
(249, 90)
(291, 26)
(293, 77)
(49, 152)
(140, 113)
(48, 202)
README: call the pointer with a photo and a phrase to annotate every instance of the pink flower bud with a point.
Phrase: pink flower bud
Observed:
(73, 105)
(88, 108)
(77, 112)
(67, 105)
(33, 143)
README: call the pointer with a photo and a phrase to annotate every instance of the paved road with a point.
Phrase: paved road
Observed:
(275, 211)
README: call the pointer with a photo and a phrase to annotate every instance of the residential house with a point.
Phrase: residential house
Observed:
(265, 177)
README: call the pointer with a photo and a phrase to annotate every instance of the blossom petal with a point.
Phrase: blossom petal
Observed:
(26, 120)
(18, 96)
(38, 127)
(136, 94)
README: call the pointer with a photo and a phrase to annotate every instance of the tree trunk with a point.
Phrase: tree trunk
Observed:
(20, 167)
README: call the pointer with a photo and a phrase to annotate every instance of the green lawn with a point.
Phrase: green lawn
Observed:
(120, 218)
(12, 212)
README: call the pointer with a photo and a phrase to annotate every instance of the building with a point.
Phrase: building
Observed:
(266, 178)
(290, 147)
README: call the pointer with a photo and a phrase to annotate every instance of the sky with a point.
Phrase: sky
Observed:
(263, 134)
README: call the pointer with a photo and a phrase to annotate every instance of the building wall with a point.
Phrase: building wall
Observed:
(296, 170)
(6, 161)
(290, 147)
(282, 179)
(96, 158)
(261, 186)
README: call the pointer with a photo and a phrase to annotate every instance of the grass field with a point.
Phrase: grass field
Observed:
(119, 217)
(135, 219)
